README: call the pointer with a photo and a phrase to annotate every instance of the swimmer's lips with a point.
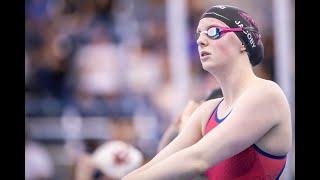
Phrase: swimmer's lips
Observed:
(204, 55)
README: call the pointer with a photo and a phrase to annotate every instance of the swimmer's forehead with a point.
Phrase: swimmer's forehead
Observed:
(204, 23)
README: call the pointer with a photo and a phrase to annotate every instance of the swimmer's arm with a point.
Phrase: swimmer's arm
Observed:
(254, 116)
(189, 135)
(173, 131)
(176, 126)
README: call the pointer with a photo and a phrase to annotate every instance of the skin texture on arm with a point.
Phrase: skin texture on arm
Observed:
(254, 114)
(189, 135)
(176, 127)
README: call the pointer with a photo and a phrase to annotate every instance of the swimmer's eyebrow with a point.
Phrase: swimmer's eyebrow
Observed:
(211, 25)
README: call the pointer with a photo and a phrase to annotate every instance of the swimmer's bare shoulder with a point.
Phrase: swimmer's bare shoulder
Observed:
(278, 103)
(278, 106)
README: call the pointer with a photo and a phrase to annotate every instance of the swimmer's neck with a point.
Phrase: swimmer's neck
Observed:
(234, 81)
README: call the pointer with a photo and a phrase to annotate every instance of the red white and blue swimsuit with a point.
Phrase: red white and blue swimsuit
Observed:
(252, 163)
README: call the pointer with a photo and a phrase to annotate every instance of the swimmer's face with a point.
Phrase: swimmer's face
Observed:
(217, 52)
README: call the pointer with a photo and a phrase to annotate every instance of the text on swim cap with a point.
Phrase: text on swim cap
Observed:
(249, 35)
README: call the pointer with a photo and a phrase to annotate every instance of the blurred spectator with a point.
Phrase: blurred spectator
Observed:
(117, 158)
(147, 127)
(103, 10)
(84, 169)
(36, 10)
(38, 162)
(97, 74)
(110, 161)
(122, 129)
(144, 70)
(97, 66)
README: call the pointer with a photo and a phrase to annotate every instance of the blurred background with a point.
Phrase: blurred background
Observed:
(97, 71)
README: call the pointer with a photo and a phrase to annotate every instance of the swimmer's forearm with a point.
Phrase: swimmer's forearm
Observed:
(190, 134)
(174, 167)
(160, 156)
(177, 144)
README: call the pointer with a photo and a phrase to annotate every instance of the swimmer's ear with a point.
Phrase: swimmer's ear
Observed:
(242, 48)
